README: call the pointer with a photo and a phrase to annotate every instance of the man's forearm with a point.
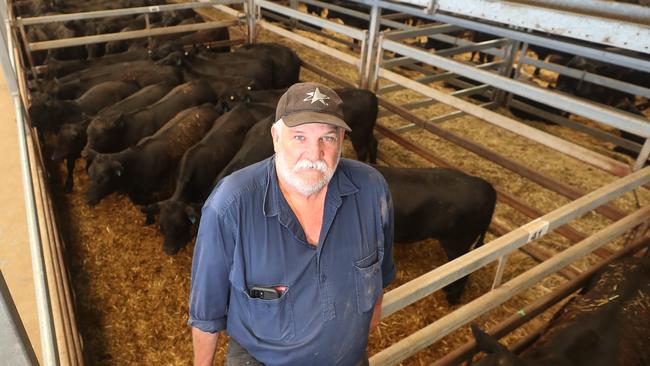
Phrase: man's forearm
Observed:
(205, 345)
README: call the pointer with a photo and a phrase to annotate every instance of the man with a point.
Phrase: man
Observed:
(292, 252)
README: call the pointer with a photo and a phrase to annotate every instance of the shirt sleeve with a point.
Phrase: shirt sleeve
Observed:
(388, 269)
(211, 263)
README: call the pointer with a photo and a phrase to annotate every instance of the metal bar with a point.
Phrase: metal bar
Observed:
(537, 307)
(590, 77)
(547, 182)
(487, 47)
(61, 324)
(435, 331)
(458, 93)
(369, 57)
(588, 28)
(78, 41)
(543, 138)
(524, 36)
(577, 126)
(480, 46)
(605, 9)
(414, 32)
(354, 13)
(121, 12)
(250, 9)
(43, 304)
(453, 270)
(267, 14)
(317, 21)
(540, 255)
(498, 276)
(643, 155)
(608, 116)
(434, 77)
(310, 43)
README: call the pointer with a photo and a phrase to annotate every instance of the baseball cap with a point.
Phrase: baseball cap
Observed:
(310, 103)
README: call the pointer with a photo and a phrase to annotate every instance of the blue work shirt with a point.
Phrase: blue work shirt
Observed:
(249, 236)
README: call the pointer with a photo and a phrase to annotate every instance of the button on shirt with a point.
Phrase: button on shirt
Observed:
(249, 236)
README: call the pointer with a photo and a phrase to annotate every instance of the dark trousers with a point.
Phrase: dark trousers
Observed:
(238, 356)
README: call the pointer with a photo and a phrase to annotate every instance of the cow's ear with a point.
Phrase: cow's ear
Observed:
(485, 342)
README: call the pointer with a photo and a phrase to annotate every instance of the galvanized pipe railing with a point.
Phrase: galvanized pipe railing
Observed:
(43, 304)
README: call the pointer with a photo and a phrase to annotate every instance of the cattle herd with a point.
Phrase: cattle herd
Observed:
(164, 120)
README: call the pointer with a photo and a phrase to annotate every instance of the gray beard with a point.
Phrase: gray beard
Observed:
(296, 182)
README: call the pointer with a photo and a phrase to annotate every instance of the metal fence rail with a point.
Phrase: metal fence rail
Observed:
(43, 302)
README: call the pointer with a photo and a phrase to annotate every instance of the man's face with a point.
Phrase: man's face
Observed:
(307, 155)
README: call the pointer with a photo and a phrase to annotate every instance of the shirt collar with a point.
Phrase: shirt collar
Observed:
(339, 186)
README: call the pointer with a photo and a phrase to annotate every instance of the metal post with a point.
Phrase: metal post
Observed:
(294, 5)
(48, 340)
(506, 69)
(250, 8)
(368, 58)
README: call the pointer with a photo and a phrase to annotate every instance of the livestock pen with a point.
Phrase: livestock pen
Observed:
(543, 188)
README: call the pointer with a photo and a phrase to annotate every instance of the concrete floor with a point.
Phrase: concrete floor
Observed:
(15, 258)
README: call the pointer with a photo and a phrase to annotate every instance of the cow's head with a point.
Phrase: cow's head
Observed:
(104, 129)
(497, 355)
(105, 174)
(68, 141)
(45, 112)
(177, 220)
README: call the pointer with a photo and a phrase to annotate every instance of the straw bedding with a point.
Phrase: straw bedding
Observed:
(132, 299)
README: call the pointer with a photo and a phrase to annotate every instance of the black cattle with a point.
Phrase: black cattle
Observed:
(49, 114)
(360, 108)
(198, 168)
(143, 170)
(201, 39)
(605, 326)
(286, 63)
(115, 132)
(259, 71)
(142, 72)
(442, 204)
(599, 93)
(71, 139)
(58, 69)
(257, 146)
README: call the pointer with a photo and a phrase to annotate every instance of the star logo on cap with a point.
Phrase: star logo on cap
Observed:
(316, 96)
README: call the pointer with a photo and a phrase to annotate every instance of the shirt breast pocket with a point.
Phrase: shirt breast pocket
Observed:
(367, 276)
(270, 320)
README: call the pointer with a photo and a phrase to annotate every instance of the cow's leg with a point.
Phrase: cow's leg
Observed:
(372, 149)
(69, 180)
(455, 247)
